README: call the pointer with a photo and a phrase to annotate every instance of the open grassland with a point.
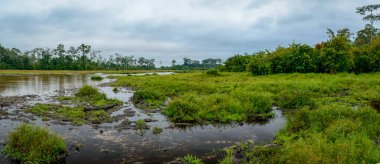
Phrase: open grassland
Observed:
(330, 118)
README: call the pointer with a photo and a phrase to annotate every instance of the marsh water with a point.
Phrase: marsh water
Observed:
(105, 144)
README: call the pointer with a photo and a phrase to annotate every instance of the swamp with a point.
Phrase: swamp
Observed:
(168, 117)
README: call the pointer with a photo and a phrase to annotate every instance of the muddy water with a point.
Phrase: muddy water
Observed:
(104, 144)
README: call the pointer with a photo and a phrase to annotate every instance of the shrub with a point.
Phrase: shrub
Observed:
(236, 63)
(33, 144)
(260, 64)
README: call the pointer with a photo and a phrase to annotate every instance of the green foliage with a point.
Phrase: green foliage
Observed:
(88, 91)
(141, 124)
(334, 54)
(334, 133)
(295, 58)
(366, 58)
(338, 54)
(213, 72)
(148, 98)
(76, 114)
(74, 58)
(157, 130)
(236, 63)
(190, 159)
(96, 78)
(259, 64)
(228, 158)
(33, 144)
(241, 97)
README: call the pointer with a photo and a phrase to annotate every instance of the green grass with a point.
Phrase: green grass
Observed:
(77, 114)
(213, 72)
(331, 133)
(33, 144)
(330, 118)
(190, 159)
(157, 130)
(141, 124)
(96, 78)
(198, 97)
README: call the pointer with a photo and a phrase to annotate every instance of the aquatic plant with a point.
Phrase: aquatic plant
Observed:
(190, 159)
(33, 144)
(156, 130)
(148, 98)
(141, 124)
(88, 91)
(88, 106)
(96, 78)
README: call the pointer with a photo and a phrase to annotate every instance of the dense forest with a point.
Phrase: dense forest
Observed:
(84, 58)
(338, 54)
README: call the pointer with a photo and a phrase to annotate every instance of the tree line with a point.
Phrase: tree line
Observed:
(340, 53)
(84, 58)
(74, 58)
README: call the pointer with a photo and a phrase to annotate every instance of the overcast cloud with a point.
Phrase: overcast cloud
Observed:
(173, 29)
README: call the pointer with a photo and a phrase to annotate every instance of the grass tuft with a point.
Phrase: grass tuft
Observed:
(33, 144)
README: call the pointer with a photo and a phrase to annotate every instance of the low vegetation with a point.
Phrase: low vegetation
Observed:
(330, 133)
(87, 106)
(157, 130)
(33, 144)
(96, 78)
(189, 159)
(330, 118)
(212, 72)
(197, 97)
(141, 124)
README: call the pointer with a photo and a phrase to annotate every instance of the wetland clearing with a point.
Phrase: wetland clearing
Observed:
(158, 117)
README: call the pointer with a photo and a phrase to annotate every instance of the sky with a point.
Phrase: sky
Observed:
(174, 29)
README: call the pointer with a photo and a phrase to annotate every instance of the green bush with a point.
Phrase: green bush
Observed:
(236, 63)
(33, 144)
(260, 64)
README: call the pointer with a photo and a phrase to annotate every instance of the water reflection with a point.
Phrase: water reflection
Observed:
(16, 85)
(112, 146)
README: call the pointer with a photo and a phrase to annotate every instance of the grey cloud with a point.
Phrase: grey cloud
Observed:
(198, 28)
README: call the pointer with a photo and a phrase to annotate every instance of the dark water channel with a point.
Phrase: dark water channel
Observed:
(105, 144)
